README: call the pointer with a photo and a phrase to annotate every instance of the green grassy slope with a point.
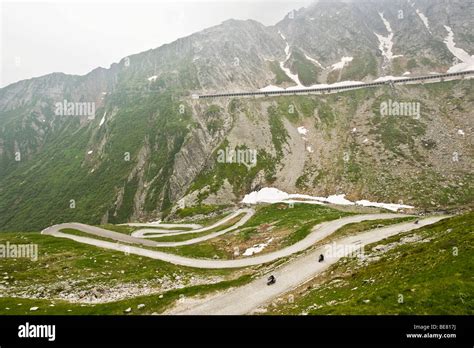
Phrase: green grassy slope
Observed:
(431, 276)
(39, 191)
(289, 224)
(67, 267)
(153, 303)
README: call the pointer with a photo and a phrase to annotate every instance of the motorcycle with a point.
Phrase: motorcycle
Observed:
(271, 280)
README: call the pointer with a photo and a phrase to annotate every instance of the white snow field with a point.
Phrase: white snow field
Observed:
(256, 248)
(467, 61)
(386, 42)
(274, 195)
(339, 65)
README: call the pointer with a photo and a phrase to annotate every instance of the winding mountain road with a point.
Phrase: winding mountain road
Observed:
(245, 299)
(55, 230)
(156, 232)
(317, 233)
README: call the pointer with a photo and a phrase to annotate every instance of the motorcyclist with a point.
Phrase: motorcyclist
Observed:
(271, 280)
(321, 258)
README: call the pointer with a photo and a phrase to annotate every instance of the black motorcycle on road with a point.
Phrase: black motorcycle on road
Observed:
(271, 280)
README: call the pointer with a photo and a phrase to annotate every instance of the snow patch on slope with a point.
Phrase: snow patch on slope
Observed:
(386, 42)
(272, 88)
(455, 68)
(338, 199)
(424, 19)
(302, 130)
(339, 65)
(324, 85)
(292, 76)
(459, 53)
(287, 71)
(389, 206)
(314, 61)
(265, 195)
(389, 77)
(274, 195)
(256, 248)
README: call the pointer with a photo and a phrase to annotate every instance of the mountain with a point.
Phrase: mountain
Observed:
(136, 143)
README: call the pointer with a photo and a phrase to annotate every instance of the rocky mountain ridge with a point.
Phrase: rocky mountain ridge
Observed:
(149, 144)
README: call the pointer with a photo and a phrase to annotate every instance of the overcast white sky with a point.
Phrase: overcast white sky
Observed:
(73, 37)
